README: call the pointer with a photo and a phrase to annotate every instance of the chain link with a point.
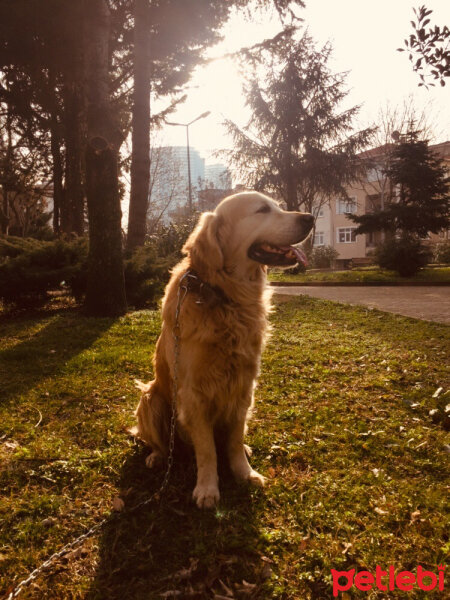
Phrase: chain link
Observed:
(181, 295)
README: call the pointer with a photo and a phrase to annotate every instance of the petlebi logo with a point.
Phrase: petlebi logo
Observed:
(388, 580)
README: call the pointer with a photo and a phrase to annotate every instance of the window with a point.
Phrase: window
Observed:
(370, 239)
(319, 238)
(320, 213)
(346, 235)
(344, 206)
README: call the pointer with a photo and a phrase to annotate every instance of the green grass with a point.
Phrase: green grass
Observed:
(364, 275)
(356, 468)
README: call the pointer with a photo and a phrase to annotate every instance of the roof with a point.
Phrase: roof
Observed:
(442, 149)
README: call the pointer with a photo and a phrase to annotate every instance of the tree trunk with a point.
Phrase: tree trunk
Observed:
(7, 174)
(105, 294)
(4, 221)
(73, 216)
(291, 190)
(58, 190)
(140, 157)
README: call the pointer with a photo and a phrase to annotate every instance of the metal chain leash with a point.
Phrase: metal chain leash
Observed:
(157, 495)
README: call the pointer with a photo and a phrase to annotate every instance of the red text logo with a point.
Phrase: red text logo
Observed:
(388, 580)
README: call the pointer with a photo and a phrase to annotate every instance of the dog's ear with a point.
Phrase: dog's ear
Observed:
(203, 245)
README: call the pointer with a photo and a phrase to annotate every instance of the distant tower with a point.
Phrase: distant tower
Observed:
(218, 176)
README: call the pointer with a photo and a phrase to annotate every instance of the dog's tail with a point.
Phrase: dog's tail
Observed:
(153, 419)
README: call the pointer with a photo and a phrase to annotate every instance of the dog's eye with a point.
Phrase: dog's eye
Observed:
(265, 208)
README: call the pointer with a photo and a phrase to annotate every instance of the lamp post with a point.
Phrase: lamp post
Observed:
(202, 116)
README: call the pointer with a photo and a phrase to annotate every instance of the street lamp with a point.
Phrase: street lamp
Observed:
(202, 116)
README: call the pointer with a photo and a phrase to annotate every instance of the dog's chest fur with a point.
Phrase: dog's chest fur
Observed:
(227, 354)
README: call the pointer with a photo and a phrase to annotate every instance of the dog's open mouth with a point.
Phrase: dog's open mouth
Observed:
(278, 256)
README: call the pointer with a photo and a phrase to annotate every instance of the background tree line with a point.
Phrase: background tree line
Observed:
(76, 78)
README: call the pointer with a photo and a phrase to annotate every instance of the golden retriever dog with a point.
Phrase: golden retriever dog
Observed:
(222, 327)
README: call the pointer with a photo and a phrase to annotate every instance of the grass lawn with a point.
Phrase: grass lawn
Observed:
(357, 471)
(364, 275)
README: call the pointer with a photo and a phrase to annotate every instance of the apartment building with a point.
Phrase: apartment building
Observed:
(333, 228)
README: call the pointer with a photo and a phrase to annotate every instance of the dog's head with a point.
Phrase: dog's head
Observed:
(246, 229)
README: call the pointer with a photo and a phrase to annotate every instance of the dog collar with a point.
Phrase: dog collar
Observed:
(210, 295)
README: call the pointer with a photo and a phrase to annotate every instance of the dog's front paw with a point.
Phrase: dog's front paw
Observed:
(154, 460)
(206, 496)
(256, 479)
(248, 450)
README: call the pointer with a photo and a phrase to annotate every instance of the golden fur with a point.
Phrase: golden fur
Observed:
(220, 345)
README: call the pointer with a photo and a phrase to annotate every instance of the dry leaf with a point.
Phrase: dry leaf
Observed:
(118, 504)
(380, 511)
(266, 572)
(438, 392)
(245, 587)
(226, 589)
(347, 546)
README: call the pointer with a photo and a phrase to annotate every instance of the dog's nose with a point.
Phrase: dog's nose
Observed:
(306, 219)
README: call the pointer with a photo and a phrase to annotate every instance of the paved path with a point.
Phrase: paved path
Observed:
(428, 303)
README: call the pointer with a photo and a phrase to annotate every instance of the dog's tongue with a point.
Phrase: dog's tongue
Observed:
(299, 254)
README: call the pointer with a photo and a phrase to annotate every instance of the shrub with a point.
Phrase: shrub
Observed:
(30, 268)
(322, 257)
(169, 239)
(146, 274)
(404, 255)
(442, 253)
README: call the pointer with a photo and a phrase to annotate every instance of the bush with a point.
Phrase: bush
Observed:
(405, 255)
(169, 239)
(30, 268)
(442, 253)
(146, 274)
(322, 257)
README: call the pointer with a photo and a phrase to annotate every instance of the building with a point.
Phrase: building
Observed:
(218, 176)
(333, 228)
(169, 182)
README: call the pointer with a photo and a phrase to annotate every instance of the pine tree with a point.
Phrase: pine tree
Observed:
(297, 144)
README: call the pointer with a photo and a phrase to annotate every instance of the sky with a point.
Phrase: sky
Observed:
(365, 35)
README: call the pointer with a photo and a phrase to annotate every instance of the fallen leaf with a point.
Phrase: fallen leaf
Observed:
(118, 504)
(380, 511)
(438, 392)
(415, 516)
(226, 589)
(347, 546)
(11, 445)
(245, 587)
(266, 572)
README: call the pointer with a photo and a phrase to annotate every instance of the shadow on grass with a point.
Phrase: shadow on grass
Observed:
(173, 546)
(46, 352)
